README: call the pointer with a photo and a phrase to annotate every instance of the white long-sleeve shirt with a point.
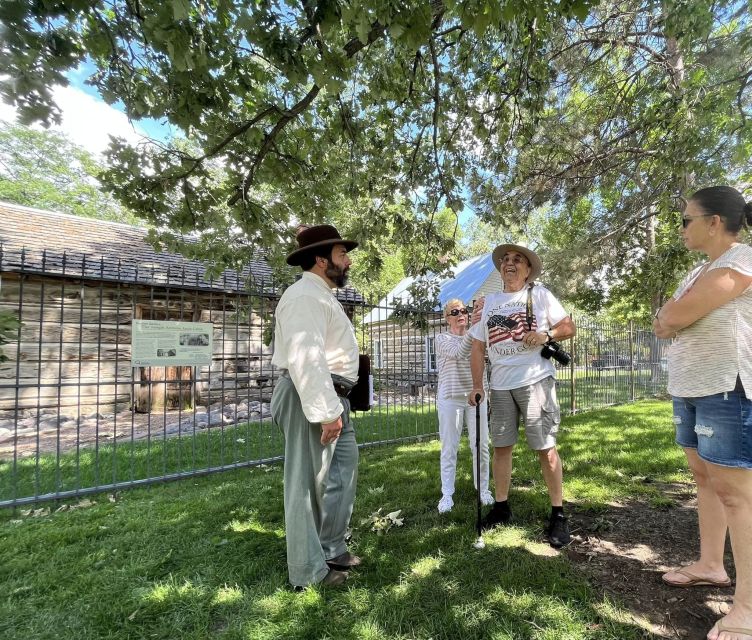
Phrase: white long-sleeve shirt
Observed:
(314, 338)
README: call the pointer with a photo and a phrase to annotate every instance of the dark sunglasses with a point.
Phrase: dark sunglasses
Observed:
(456, 312)
(687, 219)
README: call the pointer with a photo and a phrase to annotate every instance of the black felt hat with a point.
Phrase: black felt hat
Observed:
(310, 238)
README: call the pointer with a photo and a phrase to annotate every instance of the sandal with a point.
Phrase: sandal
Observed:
(695, 581)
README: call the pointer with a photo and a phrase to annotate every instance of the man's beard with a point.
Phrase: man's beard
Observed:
(338, 275)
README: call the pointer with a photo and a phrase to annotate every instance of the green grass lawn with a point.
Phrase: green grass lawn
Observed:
(205, 557)
(133, 461)
(594, 389)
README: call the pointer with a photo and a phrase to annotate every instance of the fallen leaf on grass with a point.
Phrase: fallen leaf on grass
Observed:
(81, 504)
(380, 524)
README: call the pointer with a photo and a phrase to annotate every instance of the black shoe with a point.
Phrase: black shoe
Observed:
(496, 516)
(344, 561)
(334, 578)
(558, 531)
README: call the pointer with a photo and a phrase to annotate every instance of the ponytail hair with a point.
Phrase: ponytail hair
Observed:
(727, 203)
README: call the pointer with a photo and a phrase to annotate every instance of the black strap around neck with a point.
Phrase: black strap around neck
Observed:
(529, 307)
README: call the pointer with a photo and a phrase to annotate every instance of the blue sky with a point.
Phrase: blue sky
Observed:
(152, 128)
(88, 121)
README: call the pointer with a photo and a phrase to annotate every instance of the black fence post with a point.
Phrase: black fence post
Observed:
(631, 362)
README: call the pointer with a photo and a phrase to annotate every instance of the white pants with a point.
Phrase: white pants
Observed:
(452, 413)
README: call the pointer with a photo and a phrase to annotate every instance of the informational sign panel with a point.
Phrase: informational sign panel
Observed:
(164, 343)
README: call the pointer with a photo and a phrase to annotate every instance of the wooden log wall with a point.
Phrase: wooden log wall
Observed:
(74, 351)
(404, 349)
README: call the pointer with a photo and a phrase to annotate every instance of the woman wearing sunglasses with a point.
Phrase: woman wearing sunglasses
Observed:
(710, 379)
(455, 382)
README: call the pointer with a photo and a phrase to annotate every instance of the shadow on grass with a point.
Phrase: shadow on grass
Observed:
(205, 558)
(421, 581)
(626, 549)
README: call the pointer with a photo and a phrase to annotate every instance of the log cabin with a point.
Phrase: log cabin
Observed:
(76, 284)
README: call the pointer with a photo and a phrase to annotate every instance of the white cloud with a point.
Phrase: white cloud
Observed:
(87, 121)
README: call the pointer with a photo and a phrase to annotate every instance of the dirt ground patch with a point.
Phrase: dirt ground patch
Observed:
(625, 549)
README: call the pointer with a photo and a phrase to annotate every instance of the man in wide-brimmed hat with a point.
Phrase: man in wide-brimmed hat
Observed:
(316, 350)
(520, 328)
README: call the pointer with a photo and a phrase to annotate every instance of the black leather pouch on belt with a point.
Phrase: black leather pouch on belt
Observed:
(360, 394)
(341, 390)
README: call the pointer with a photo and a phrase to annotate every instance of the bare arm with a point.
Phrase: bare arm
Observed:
(711, 291)
(562, 330)
(660, 331)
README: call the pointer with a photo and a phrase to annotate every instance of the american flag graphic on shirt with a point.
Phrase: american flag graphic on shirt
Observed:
(498, 332)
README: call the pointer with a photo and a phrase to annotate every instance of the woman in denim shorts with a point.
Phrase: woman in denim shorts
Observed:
(710, 379)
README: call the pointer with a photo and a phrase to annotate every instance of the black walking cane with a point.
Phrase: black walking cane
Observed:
(479, 544)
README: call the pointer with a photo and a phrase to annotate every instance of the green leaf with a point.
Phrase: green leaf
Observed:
(481, 23)
(363, 28)
(396, 30)
(581, 9)
(181, 9)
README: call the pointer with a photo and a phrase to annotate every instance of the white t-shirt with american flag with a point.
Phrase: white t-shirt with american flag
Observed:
(514, 364)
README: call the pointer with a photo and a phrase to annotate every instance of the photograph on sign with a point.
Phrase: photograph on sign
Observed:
(166, 343)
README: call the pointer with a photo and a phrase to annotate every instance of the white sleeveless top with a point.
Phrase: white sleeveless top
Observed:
(707, 356)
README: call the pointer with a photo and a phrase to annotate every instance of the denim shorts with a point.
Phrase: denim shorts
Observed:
(718, 426)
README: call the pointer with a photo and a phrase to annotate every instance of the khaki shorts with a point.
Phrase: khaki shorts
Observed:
(540, 412)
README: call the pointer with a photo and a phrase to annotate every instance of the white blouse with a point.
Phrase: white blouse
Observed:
(453, 363)
(314, 338)
(707, 356)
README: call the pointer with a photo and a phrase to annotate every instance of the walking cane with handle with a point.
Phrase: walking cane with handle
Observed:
(479, 543)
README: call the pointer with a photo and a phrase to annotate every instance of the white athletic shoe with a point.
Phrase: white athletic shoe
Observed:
(445, 504)
(487, 498)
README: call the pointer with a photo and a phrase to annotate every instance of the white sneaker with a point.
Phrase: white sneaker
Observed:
(486, 498)
(445, 504)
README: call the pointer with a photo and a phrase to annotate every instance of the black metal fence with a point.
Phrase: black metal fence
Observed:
(77, 418)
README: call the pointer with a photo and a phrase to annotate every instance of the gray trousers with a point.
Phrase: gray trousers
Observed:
(320, 482)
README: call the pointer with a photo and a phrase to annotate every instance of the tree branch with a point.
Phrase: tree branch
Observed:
(436, 114)
(269, 140)
(351, 48)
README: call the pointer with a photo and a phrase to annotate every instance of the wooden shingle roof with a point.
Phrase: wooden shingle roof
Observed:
(35, 240)
(47, 242)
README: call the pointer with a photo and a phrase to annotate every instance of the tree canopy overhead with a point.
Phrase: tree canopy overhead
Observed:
(596, 116)
(298, 103)
(649, 102)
